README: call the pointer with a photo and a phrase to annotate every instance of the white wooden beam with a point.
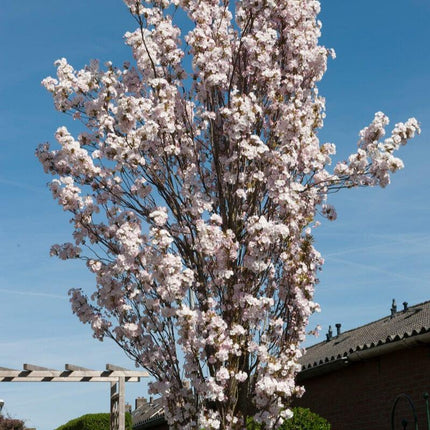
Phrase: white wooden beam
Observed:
(73, 373)
(63, 379)
(116, 370)
(73, 367)
(27, 366)
(112, 367)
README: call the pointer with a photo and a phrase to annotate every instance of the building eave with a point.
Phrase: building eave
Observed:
(363, 354)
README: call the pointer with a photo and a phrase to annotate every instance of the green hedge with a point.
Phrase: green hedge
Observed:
(94, 422)
(303, 419)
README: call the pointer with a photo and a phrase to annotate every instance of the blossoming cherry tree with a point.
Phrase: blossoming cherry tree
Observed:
(193, 189)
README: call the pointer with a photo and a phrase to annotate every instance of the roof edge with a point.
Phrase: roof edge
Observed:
(322, 369)
(364, 354)
(150, 423)
(385, 348)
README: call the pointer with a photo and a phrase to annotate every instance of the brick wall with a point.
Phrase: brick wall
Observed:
(361, 395)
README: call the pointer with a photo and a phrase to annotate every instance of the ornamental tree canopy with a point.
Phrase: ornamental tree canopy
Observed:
(193, 190)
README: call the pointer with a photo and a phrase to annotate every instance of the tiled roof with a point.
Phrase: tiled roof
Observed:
(403, 325)
(148, 412)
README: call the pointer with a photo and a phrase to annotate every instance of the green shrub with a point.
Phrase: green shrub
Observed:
(303, 419)
(93, 422)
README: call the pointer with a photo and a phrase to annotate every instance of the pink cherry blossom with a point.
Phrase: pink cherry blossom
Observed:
(193, 189)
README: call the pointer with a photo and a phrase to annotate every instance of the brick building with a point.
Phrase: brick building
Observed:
(353, 378)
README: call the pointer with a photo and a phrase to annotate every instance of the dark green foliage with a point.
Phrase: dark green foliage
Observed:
(93, 422)
(303, 419)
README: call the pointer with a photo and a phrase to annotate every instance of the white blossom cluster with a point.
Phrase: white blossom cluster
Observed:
(193, 189)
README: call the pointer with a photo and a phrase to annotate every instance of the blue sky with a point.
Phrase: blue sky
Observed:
(378, 249)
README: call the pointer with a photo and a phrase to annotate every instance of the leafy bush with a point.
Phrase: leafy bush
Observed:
(11, 424)
(93, 422)
(303, 419)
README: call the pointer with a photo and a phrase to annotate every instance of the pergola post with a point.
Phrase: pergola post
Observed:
(117, 404)
(114, 401)
(121, 405)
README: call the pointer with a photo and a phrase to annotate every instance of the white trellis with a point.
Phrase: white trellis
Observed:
(116, 376)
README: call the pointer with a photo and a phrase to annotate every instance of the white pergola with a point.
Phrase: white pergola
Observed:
(116, 376)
